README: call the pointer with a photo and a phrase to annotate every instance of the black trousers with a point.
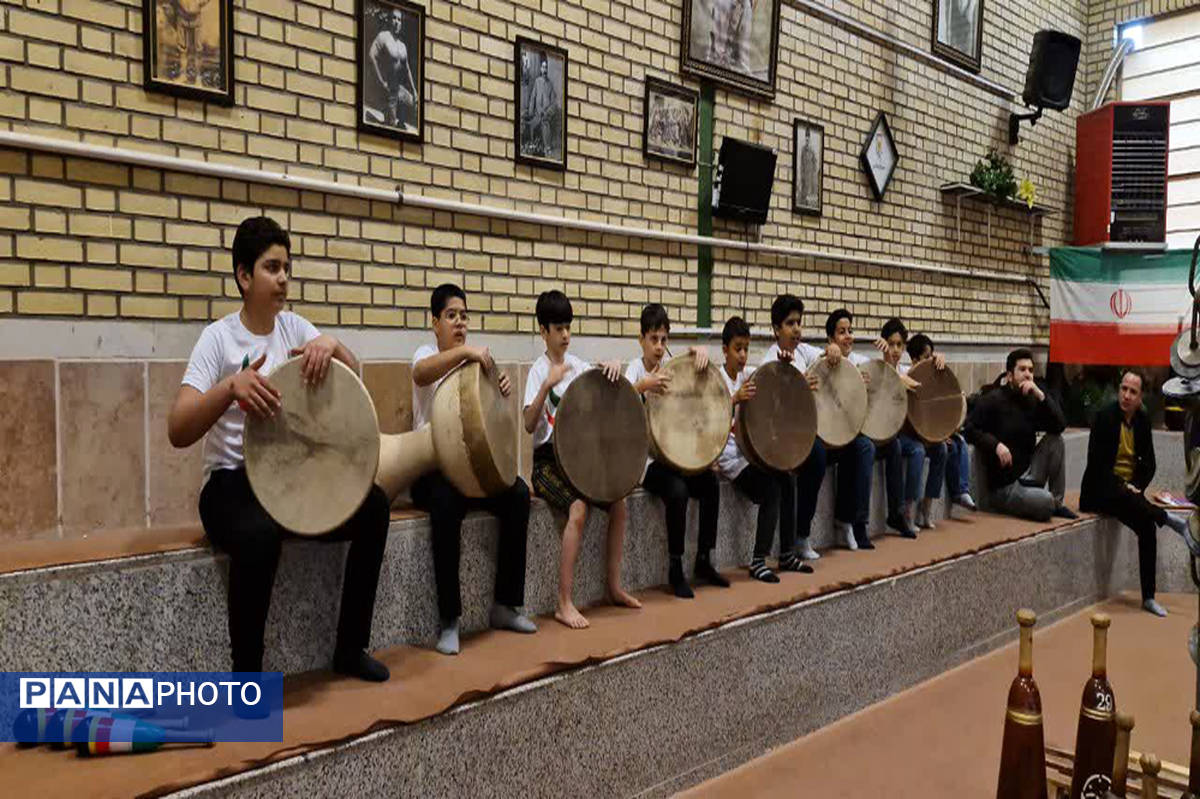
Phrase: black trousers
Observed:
(236, 524)
(447, 508)
(762, 488)
(674, 489)
(1139, 514)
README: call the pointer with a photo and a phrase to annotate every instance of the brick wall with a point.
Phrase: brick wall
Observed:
(84, 238)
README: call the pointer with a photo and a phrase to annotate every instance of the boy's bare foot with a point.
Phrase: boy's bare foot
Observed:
(621, 597)
(569, 615)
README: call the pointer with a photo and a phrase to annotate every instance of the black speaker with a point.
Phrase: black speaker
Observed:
(1052, 64)
(745, 175)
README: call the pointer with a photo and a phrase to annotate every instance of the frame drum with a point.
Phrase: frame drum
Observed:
(312, 464)
(937, 407)
(776, 429)
(841, 402)
(600, 438)
(887, 402)
(689, 424)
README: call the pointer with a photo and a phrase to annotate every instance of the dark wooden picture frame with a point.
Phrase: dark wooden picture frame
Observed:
(179, 57)
(540, 134)
(954, 22)
(394, 108)
(880, 127)
(803, 171)
(726, 58)
(665, 135)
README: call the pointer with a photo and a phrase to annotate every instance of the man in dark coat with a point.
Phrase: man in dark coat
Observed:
(1120, 465)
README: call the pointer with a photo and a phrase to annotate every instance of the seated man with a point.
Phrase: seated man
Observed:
(1120, 465)
(1003, 426)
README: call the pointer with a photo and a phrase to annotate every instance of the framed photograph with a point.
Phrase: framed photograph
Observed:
(391, 68)
(879, 156)
(669, 122)
(540, 100)
(808, 166)
(187, 49)
(958, 32)
(734, 42)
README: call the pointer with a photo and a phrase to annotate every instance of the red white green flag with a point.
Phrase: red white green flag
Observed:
(1121, 309)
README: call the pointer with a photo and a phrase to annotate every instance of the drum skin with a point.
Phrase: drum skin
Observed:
(887, 402)
(600, 437)
(777, 427)
(689, 424)
(474, 432)
(841, 402)
(312, 464)
(937, 407)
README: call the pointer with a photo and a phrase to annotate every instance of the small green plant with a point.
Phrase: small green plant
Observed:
(995, 176)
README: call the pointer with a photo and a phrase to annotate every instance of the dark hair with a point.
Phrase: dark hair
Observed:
(783, 306)
(736, 327)
(891, 327)
(917, 344)
(654, 316)
(1021, 354)
(553, 308)
(1138, 373)
(254, 237)
(441, 297)
(831, 322)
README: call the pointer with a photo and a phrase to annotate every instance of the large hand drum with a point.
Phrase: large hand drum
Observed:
(776, 429)
(312, 464)
(937, 407)
(600, 438)
(689, 424)
(887, 402)
(841, 402)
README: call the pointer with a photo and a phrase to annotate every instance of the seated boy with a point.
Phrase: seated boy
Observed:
(759, 486)
(548, 380)
(446, 506)
(957, 457)
(663, 481)
(223, 377)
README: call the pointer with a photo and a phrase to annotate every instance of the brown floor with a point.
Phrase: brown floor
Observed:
(942, 737)
(321, 709)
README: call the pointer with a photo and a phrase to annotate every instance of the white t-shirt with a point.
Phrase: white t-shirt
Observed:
(423, 395)
(635, 372)
(858, 359)
(731, 461)
(804, 356)
(533, 384)
(225, 347)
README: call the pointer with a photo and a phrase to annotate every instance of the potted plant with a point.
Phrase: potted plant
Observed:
(994, 175)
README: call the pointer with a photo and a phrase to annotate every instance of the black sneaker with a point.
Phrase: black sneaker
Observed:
(861, 538)
(760, 571)
(706, 571)
(679, 583)
(900, 524)
(1063, 512)
(362, 666)
(792, 562)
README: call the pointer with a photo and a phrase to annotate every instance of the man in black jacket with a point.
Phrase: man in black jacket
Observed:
(1003, 426)
(1120, 464)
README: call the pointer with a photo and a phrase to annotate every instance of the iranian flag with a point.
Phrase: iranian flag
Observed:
(1120, 309)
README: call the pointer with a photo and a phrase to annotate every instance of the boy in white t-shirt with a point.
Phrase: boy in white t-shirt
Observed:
(447, 508)
(666, 483)
(548, 380)
(758, 485)
(221, 385)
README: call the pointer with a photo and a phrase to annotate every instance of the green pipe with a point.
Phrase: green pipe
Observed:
(704, 225)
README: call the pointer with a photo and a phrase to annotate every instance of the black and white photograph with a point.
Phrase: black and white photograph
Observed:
(669, 129)
(187, 48)
(808, 169)
(540, 97)
(732, 41)
(879, 156)
(958, 31)
(391, 46)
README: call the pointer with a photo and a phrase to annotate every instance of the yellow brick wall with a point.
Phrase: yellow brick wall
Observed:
(83, 238)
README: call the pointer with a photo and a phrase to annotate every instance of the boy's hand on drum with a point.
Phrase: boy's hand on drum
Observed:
(746, 392)
(656, 382)
(505, 384)
(881, 345)
(833, 354)
(482, 356)
(909, 383)
(939, 361)
(814, 382)
(701, 356)
(317, 355)
(612, 370)
(787, 356)
(252, 391)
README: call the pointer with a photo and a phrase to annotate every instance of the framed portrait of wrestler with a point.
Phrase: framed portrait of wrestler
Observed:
(734, 42)
(187, 49)
(669, 122)
(958, 32)
(391, 68)
(540, 103)
(808, 166)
